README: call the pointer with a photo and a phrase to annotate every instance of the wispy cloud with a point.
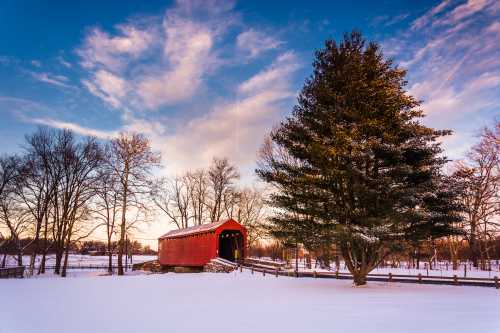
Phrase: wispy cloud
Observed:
(233, 128)
(29, 111)
(114, 52)
(155, 62)
(74, 127)
(387, 20)
(425, 19)
(109, 87)
(164, 62)
(63, 62)
(187, 50)
(452, 54)
(253, 42)
(36, 63)
(56, 80)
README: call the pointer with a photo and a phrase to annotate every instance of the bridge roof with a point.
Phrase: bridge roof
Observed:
(196, 229)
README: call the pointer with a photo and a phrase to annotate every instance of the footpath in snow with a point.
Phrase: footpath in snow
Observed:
(240, 302)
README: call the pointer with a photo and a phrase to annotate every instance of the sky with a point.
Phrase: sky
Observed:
(211, 78)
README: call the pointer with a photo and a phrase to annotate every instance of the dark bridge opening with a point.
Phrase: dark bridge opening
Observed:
(231, 245)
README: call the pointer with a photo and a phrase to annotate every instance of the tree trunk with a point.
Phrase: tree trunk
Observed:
(66, 254)
(110, 257)
(4, 259)
(41, 269)
(19, 253)
(123, 226)
(418, 257)
(474, 251)
(36, 245)
(360, 259)
(59, 255)
(65, 265)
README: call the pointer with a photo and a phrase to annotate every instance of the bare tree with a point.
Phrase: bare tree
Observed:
(221, 178)
(173, 197)
(107, 207)
(78, 164)
(251, 213)
(132, 159)
(480, 175)
(35, 184)
(198, 184)
(12, 216)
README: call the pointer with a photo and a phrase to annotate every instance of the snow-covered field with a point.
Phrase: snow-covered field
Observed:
(240, 302)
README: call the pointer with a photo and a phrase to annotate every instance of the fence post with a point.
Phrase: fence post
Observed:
(314, 274)
(241, 268)
(455, 279)
(496, 282)
(337, 274)
(263, 272)
(276, 272)
(390, 277)
(419, 278)
(252, 269)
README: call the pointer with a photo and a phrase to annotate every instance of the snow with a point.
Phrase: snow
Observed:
(195, 229)
(240, 302)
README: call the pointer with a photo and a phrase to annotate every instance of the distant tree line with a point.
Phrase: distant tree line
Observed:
(83, 247)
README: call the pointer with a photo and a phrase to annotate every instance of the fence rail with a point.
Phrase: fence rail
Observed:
(438, 280)
(12, 272)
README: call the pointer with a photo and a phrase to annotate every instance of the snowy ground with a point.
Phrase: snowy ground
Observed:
(240, 302)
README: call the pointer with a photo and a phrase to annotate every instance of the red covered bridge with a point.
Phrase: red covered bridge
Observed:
(196, 246)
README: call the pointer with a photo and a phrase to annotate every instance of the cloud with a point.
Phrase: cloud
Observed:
(387, 20)
(254, 42)
(109, 87)
(29, 111)
(234, 128)
(156, 62)
(63, 62)
(36, 63)
(187, 50)
(424, 20)
(113, 52)
(56, 80)
(452, 54)
(189, 45)
(74, 127)
(494, 27)
(465, 10)
(267, 79)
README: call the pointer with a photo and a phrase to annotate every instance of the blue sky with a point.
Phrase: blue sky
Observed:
(210, 78)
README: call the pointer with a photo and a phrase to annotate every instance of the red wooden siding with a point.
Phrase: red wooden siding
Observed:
(196, 246)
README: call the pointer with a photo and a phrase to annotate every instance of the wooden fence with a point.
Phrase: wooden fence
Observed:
(12, 272)
(439, 280)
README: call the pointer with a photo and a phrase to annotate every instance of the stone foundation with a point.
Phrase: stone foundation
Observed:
(216, 266)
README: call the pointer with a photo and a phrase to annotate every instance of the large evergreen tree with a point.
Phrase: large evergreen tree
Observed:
(353, 164)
